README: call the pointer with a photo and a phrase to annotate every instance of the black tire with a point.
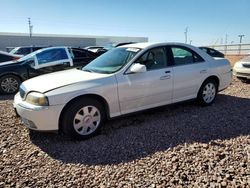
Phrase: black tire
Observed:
(76, 108)
(201, 97)
(14, 83)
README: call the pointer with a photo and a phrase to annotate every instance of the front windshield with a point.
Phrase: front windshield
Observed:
(14, 50)
(112, 60)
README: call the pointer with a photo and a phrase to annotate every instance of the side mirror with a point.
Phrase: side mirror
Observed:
(138, 68)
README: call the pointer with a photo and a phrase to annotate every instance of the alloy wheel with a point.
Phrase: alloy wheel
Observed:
(9, 85)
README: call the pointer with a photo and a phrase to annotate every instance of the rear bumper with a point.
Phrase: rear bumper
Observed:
(225, 80)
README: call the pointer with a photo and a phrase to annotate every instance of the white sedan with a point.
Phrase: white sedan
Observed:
(242, 69)
(126, 79)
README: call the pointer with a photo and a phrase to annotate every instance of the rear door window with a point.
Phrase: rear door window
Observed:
(51, 55)
(184, 56)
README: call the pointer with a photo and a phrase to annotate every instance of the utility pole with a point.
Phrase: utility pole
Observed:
(226, 44)
(241, 36)
(30, 27)
(186, 32)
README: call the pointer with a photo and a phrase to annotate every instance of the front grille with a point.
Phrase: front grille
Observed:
(242, 74)
(22, 93)
(246, 65)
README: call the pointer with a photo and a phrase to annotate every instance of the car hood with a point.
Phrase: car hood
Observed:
(8, 63)
(59, 79)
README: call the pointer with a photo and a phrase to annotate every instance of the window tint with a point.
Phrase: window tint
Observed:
(79, 54)
(51, 55)
(204, 49)
(183, 56)
(213, 52)
(23, 51)
(36, 48)
(154, 59)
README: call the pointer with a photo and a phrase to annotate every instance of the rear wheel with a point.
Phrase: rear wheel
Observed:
(83, 118)
(9, 84)
(207, 92)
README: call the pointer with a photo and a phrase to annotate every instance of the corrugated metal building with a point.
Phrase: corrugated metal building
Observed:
(23, 39)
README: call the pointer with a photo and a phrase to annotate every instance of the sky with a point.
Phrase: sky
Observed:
(208, 21)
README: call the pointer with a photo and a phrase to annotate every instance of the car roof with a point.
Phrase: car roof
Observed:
(144, 45)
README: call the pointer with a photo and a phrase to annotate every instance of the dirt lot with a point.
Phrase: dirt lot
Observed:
(183, 144)
(234, 58)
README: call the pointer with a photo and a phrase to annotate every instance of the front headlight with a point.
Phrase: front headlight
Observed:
(238, 65)
(38, 99)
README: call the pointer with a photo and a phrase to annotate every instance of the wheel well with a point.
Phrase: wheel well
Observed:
(215, 78)
(92, 96)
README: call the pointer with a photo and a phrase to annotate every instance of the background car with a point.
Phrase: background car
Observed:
(43, 61)
(241, 69)
(212, 52)
(111, 46)
(4, 56)
(25, 50)
(94, 48)
(124, 80)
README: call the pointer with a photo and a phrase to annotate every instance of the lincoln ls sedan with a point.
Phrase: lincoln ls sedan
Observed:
(124, 80)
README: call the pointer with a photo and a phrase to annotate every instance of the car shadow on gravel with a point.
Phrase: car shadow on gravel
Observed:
(130, 138)
(6, 97)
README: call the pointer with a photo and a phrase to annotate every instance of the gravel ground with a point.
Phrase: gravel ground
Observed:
(182, 145)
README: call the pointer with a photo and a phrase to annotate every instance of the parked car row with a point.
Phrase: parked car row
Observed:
(42, 61)
(123, 80)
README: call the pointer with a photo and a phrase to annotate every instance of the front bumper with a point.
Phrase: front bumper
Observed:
(242, 72)
(37, 117)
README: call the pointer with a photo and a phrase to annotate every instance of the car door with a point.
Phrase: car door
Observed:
(50, 60)
(138, 91)
(189, 70)
(81, 57)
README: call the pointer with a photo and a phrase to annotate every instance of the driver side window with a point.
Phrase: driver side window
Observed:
(154, 59)
(51, 55)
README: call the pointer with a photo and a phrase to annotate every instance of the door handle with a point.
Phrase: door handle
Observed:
(165, 77)
(167, 71)
(203, 71)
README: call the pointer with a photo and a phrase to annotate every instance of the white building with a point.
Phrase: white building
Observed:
(23, 39)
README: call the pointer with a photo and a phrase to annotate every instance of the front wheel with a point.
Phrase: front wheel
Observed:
(83, 118)
(9, 84)
(207, 92)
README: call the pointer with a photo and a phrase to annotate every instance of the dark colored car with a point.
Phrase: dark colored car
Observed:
(212, 52)
(43, 61)
(4, 56)
(25, 50)
(111, 46)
